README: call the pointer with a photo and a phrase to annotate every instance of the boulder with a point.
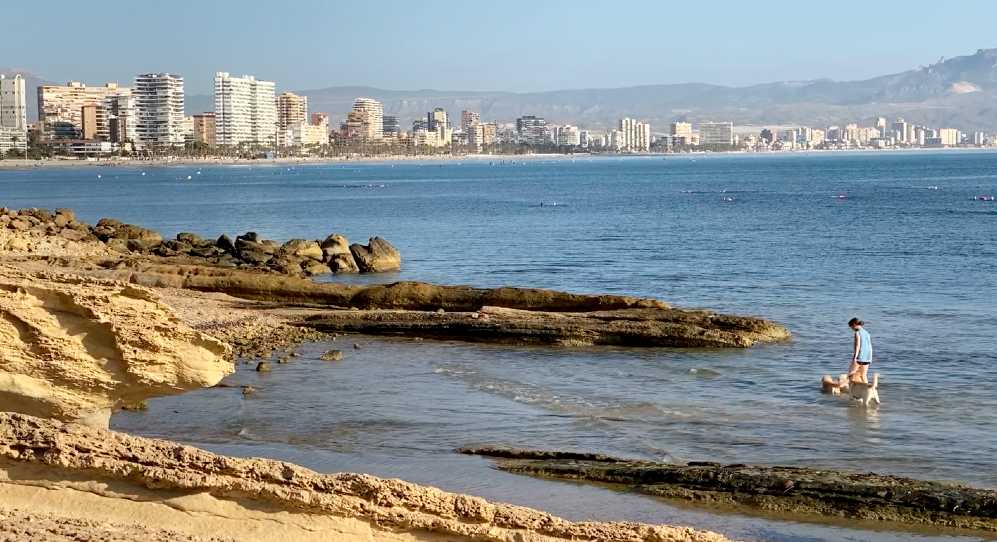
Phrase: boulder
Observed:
(190, 238)
(302, 249)
(17, 244)
(332, 355)
(376, 257)
(20, 224)
(225, 243)
(313, 268)
(109, 228)
(287, 265)
(336, 253)
(115, 345)
(73, 235)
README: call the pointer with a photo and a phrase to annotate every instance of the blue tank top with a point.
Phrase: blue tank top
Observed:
(865, 345)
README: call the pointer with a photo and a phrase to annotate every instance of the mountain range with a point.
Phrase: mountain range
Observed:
(960, 92)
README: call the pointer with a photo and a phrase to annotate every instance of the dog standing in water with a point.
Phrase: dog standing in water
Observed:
(857, 379)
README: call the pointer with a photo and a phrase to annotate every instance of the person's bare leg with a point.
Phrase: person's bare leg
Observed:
(864, 373)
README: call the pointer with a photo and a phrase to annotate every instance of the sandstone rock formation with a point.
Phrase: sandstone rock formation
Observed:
(73, 348)
(378, 256)
(819, 492)
(261, 499)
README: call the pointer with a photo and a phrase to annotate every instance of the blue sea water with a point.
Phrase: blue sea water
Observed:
(807, 240)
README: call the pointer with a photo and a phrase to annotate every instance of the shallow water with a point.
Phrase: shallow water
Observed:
(917, 264)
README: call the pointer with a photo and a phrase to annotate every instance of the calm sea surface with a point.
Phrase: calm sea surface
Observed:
(904, 247)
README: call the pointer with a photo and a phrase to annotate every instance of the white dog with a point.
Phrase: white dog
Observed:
(864, 393)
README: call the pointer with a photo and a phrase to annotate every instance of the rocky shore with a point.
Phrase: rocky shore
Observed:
(73, 478)
(799, 491)
(41, 232)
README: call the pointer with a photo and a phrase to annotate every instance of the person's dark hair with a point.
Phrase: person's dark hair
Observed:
(855, 322)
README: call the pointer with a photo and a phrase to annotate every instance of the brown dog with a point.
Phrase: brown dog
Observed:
(832, 386)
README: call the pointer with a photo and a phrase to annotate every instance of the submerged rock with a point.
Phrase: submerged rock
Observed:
(796, 490)
(75, 349)
(332, 355)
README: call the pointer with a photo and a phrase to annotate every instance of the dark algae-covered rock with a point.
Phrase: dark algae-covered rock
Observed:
(795, 490)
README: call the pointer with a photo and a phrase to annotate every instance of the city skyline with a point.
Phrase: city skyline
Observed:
(324, 40)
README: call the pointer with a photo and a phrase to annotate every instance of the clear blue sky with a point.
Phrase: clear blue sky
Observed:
(500, 45)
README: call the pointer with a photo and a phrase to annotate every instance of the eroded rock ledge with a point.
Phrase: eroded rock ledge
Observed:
(75, 348)
(108, 463)
(784, 489)
(498, 315)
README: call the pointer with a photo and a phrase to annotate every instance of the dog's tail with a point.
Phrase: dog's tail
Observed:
(875, 381)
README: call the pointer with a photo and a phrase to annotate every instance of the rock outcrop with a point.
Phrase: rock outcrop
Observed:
(804, 491)
(378, 256)
(501, 315)
(277, 499)
(40, 232)
(73, 348)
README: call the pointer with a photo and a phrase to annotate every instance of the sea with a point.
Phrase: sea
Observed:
(898, 239)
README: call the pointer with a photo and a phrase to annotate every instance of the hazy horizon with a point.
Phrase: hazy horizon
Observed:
(512, 47)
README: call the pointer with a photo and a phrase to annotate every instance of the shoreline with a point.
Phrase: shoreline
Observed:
(21, 164)
(256, 314)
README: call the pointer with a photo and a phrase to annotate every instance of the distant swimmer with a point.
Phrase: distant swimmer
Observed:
(984, 197)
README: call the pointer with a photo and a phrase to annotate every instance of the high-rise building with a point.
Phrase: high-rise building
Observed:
(569, 136)
(469, 119)
(948, 137)
(636, 135)
(120, 113)
(13, 115)
(245, 110)
(533, 130)
(292, 110)
(437, 121)
(13, 103)
(370, 113)
(390, 127)
(204, 128)
(681, 133)
(318, 119)
(159, 110)
(88, 123)
(716, 133)
(60, 109)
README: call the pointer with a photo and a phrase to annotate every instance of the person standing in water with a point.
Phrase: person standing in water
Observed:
(861, 354)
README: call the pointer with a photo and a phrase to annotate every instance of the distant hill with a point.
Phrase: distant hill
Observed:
(959, 92)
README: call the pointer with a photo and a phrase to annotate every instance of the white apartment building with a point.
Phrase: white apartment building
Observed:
(245, 110)
(13, 103)
(569, 136)
(716, 133)
(371, 114)
(681, 133)
(636, 135)
(13, 115)
(158, 110)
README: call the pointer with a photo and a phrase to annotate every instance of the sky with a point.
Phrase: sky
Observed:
(507, 45)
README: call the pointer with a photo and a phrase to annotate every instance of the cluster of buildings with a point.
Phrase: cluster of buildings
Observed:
(881, 135)
(249, 114)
